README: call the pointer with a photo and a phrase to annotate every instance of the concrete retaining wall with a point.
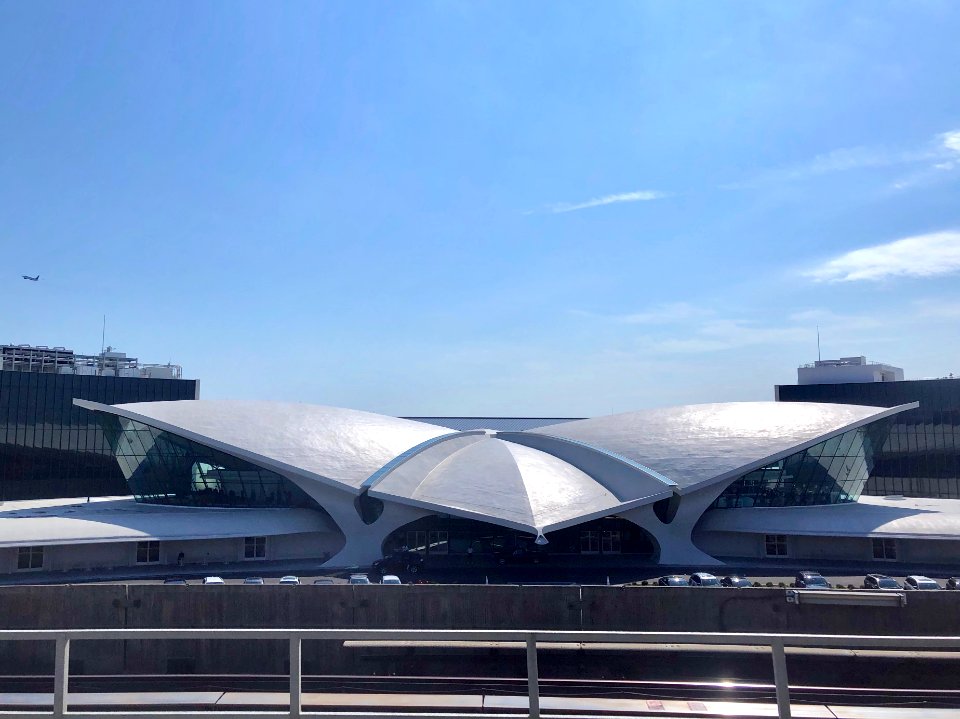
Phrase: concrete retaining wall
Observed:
(427, 606)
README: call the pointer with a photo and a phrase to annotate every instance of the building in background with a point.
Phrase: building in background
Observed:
(501, 424)
(847, 369)
(921, 455)
(51, 448)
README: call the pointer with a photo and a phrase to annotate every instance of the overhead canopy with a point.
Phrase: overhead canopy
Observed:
(118, 519)
(868, 517)
(697, 444)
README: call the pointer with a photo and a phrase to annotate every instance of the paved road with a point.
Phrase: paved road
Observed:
(564, 570)
(541, 576)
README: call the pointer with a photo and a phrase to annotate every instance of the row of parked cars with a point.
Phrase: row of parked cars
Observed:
(704, 579)
(808, 580)
(814, 580)
(256, 581)
(914, 581)
(290, 580)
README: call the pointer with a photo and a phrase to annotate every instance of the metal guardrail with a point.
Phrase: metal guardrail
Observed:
(295, 637)
(857, 598)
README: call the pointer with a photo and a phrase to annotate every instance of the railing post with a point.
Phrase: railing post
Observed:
(780, 679)
(296, 666)
(533, 678)
(61, 676)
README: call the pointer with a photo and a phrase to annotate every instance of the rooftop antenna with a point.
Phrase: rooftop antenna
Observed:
(818, 343)
(103, 339)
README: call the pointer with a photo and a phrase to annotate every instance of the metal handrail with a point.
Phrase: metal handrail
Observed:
(295, 637)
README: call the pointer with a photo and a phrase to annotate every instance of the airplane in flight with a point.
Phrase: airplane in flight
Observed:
(32, 279)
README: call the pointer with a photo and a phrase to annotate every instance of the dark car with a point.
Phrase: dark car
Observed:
(953, 583)
(674, 580)
(811, 580)
(399, 562)
(881, 582)
(735, 580)
(175, 580)
(703, 579)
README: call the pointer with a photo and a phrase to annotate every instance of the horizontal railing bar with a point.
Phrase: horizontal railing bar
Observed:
(539, 635)
(253, 714)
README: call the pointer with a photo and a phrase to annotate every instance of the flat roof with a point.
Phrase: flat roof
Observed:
(893, 517)
(121, 519)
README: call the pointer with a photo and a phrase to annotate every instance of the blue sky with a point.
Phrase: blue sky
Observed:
(484, 208)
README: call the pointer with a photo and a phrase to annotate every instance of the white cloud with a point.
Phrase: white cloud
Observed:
(939, 309)
(944, 157)
(951, 140)
(943, 151)
(929, 255)
(638, 196)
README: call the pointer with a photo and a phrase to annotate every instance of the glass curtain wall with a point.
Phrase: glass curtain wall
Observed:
(921, 456)
(443, 534)
(51, 448)
(164, 468)
(830, 472)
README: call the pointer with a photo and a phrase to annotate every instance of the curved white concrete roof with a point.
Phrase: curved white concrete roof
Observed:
(340, 446)
(537, 480)
(495, 480)
(703, 443)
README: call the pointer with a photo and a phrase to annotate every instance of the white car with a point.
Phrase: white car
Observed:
(289, 579)
(213, 580)
(703, 579)
(390, 579)
(916, 581)
(359, 579)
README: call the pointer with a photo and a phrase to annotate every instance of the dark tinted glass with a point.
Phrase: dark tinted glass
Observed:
(164, 468)
(831, 472)
(920, 456)
(50, 448)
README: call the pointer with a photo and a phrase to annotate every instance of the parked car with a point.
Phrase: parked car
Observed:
(811, 580)
(673, 580)
(175, 580)
(703, 579)
(881, 582)
(289, 579)
(253, 580)
(917, 581)
(953, 583)
(399, 562)
(324, 580)
(359, 579)
(390, 579)
(735, 580)
(213, 580)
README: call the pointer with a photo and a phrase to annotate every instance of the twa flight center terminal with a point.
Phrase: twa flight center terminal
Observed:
(231, 481)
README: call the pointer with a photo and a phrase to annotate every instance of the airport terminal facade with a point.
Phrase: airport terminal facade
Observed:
(699, 485)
